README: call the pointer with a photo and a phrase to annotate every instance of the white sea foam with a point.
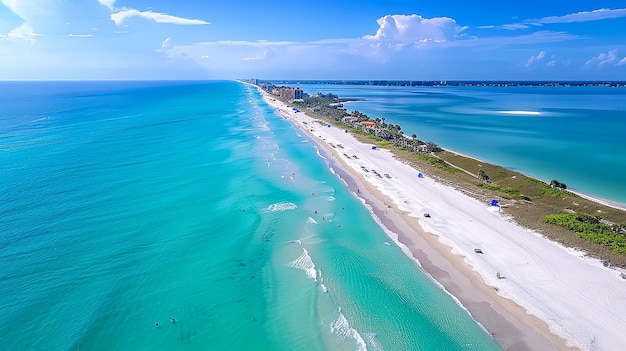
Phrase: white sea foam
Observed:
(341, 327)
(311, 220)
(522, 113)
(305, 263)
(373, 342)
(282, 206)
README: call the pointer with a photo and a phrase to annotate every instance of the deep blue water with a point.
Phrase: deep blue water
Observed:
(181, 216)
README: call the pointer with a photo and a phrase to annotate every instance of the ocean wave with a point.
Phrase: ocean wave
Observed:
(282, 206)
(305, 263)
(341, 327)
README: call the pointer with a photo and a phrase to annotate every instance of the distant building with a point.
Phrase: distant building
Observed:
(288, 94)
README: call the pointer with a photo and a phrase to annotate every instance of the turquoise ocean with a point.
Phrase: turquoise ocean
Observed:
(182, 216)
(575, 134)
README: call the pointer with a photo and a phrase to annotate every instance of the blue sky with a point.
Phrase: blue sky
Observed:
(391, 39)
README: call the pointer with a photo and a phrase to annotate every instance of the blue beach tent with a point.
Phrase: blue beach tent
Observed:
(420, 175)
(494, 202)
(374, 147)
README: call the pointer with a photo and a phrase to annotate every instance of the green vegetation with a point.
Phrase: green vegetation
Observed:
(548, 190)
(510, 192)
(437, 162)
(589, 227)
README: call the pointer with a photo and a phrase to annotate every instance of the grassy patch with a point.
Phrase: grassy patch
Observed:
(510, 192)
(550, 191)
(374, 137)
(437, 162)
(590, 228)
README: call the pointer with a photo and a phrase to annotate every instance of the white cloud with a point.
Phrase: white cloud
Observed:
(23, 33)
(107, 3)
(165, 43)
(514, 26)
(622, 61)
(415, 28)
(29, 12)
(551, 63)
(584, 16)
(534, 60)
(602, 59)
(267, 53)
(120, 16)
(80, 35)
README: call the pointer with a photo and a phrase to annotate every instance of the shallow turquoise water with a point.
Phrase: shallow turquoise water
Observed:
(127, 204)
(572, 134)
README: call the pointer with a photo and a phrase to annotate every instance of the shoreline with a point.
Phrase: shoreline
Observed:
(599, 200)
(605, 202)
(514, 314)
(449, 271)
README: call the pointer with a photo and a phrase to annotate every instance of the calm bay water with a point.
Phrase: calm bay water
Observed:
(573, 134)
(192, 205)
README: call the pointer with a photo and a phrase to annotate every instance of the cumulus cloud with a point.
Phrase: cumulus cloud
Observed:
(415, 28)
(622, 61)
(602, 59)
(80, 35)
(29, 12)
(120, 15)
(534, 60)
(166, 43)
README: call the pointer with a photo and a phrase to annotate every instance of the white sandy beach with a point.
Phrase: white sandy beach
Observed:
(582, 302)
